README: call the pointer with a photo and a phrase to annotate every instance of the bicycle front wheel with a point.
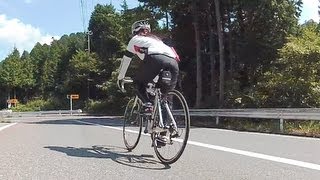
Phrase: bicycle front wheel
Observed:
(132, 124)
(178, 131)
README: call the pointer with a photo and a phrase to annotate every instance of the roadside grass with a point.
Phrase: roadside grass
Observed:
(291, 127)
(2, 120)
(304, 128)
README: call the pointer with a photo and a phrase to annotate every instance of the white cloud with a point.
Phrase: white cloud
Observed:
(13, 32)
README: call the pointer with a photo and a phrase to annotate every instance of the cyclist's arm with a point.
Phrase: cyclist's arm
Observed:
(136, 46)
(125, 62)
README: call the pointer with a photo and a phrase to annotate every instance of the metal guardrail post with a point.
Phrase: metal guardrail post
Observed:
(217, 120)
(281, 125)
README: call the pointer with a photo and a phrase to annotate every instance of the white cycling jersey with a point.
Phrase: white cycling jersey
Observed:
(138, 44)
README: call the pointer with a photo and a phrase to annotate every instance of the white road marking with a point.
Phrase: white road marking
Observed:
(273, 135)
(259, 155)
(236, 151)
(6, 126)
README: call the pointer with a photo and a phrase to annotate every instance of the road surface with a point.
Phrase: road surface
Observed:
(87, 147)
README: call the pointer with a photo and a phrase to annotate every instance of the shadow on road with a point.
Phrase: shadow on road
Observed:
(87, 121)
(105, 121)
(116, 154)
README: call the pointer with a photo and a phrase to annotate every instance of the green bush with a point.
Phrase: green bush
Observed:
(106, 107)
(40, 105)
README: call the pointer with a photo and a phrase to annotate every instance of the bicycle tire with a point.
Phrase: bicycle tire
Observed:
(132, 124)
(184, 112)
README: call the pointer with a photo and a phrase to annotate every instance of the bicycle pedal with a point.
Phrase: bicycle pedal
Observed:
(159, 130)
(133, 123)
(175, 135)
(160, 143)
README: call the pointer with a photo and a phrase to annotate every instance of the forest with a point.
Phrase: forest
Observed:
(235, 54)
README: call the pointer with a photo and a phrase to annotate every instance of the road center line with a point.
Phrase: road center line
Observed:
(6, 126)
(237, 151)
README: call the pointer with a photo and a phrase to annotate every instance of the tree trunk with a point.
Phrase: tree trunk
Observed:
(231, 49)
(319, 10)
(212, 57)
(221, 53)
(198, 55)
(167, 19)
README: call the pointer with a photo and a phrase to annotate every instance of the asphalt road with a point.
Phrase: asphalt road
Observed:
(83, 147)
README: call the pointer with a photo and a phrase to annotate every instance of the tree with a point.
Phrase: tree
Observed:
(195, 10)
(160, 9)
(83, 67)
(221, 52)
(28, 79)
(16, 73)
(293, 80)
(64, 49)
(106, 27)
(38, 56)
(319, 9)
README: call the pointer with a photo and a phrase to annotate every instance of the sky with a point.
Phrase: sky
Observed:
(26, 22)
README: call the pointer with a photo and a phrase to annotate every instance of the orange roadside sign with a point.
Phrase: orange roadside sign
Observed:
(12, 101)
(74, 96)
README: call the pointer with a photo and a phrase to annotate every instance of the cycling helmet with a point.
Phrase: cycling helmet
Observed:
(142, 24)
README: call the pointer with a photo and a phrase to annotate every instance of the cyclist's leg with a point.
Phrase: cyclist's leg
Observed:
(141, 91)
(173, 67)
(168, 64)
(147, 71)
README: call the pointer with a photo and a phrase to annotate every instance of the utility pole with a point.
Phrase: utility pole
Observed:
(89, 33)
(88, 86)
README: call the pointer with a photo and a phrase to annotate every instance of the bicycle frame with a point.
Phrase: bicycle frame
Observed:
(160, 123)
(158, 111)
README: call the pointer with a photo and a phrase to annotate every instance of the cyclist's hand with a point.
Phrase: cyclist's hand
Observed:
(120, 85)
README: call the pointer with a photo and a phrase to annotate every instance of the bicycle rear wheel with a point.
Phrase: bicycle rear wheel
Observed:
(132, 124)
(176, 139)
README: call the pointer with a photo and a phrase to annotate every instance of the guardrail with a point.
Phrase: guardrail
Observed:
(5, 113)
(9, 113)
(267, 113)
(263, 113)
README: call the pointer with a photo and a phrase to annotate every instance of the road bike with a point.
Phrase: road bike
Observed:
(168, 123)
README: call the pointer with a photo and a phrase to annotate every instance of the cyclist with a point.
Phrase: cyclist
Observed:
(156, 57)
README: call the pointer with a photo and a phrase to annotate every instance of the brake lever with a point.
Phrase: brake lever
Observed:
(124, 81)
